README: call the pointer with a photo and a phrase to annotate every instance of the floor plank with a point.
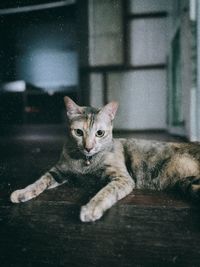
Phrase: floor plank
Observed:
(146, 228)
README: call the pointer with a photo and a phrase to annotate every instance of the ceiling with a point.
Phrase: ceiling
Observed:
(5, 4)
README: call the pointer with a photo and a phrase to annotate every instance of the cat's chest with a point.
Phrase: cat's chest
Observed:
(83, 173)
(88, 166)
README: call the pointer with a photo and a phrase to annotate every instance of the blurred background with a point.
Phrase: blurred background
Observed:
(143, 53)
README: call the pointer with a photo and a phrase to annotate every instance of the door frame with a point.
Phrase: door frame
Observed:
(175, 106)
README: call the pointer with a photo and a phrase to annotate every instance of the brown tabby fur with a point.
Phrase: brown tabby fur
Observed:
(118, 165)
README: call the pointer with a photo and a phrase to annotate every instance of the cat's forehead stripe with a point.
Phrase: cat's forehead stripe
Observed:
(91, 120)
(90, 116)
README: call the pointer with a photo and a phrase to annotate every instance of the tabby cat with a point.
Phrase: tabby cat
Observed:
(119, 165)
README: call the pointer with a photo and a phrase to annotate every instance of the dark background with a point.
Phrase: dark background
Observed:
(40, 49)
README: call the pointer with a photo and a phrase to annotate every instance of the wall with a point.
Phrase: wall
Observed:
(44, 48)
(142, 96)
(127, 43)
(105, 32)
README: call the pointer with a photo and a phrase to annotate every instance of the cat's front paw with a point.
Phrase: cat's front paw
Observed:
(18, 196)
(90, 213)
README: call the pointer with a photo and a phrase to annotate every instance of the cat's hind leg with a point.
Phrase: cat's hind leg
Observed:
(182, 173)
(33, 190)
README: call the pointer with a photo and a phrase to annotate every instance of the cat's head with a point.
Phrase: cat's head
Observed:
(90, 128)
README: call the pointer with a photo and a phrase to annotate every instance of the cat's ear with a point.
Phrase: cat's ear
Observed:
(110, 110)
(72, 108)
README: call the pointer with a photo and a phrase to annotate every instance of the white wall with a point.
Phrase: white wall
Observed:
(96, 93)
(148, 41)
(146, 6)
(141, 95)
(105, 32)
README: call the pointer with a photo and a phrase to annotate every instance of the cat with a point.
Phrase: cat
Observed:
(118, 165)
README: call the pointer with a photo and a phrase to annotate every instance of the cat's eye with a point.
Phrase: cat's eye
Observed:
(100, 133)
(78, 132)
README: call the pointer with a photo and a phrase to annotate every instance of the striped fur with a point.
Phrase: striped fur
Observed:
(116, 165)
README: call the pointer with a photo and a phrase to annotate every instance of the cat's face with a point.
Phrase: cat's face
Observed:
(91, 129)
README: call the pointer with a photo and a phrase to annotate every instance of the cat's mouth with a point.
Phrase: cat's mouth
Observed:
(89, 154)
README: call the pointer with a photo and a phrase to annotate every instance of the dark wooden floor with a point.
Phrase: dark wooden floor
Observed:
(145, 229)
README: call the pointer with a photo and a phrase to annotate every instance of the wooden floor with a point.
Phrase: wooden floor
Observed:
(145, 229)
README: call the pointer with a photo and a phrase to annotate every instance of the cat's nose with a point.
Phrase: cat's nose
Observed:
(88, 149)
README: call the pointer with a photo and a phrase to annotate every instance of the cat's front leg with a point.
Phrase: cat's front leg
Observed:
(33, 190)
(117, 189)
